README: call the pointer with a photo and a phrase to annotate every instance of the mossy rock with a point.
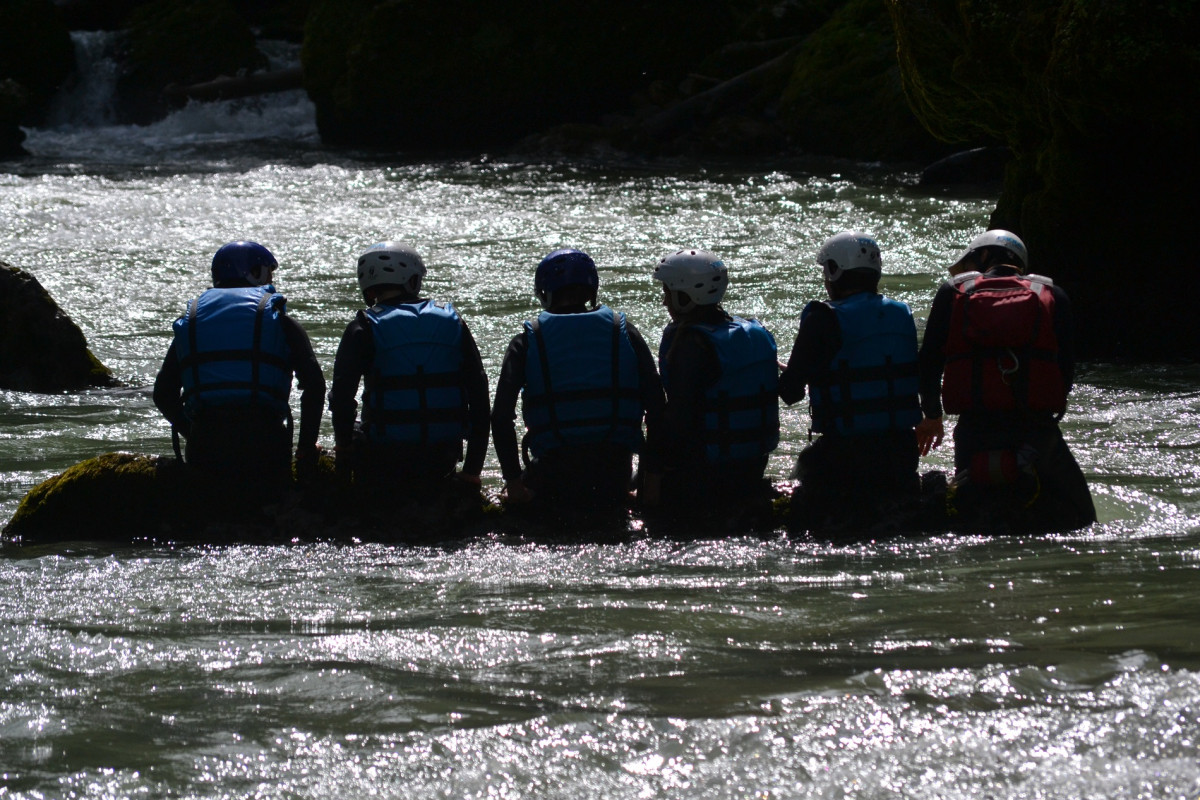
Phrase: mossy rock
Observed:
(36, 53)
(413, 74)
(108, 497)
(179, 43)
(41, 349)
(845, 96)
(1094, 100)
(12, 106)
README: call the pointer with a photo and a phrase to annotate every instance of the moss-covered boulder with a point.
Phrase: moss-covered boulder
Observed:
(416, 74)
(180, 43)
(41, 349)
(12, 106)
(1095, 101)
(35, 49)
(125, 498)
(104, 498)
(845, 95)
(36, 56)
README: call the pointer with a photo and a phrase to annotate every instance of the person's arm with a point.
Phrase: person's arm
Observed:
(931, 363)
(475, 385)
(931, 358)
(354, 355)
(650, 390)
(168, 393)
(504, 409)
(311, 381)
(693, 367)
(817, 342)
(1064, 332)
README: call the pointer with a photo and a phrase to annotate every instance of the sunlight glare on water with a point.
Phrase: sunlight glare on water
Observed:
(949, 666)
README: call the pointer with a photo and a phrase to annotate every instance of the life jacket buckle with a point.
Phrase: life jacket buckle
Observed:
(1006, 373)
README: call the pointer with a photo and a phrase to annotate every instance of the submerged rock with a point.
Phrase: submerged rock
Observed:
(126, 498)
(41, 349)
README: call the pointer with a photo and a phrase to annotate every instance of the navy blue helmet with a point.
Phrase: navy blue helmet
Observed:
(243, 262)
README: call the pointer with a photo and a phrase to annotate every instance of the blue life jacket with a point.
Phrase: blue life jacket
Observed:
(414, 393)
(741, 409)
(581, 382)
(232, 350)
(871, 387)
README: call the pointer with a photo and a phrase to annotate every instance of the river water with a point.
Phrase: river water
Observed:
(1060, 666)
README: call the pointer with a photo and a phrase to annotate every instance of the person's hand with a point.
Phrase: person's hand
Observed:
(517, 492)
(467, 477)
(930, 433)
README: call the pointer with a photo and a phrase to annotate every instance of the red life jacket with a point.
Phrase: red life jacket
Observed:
(1001, 352)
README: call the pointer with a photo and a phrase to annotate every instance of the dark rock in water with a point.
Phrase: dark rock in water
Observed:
(35, 52)
(981, 165)
(12, 104)
(41, 349)
(125, 498)
(1097, 103)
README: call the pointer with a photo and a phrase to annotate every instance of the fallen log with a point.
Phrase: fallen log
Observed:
(255, 83)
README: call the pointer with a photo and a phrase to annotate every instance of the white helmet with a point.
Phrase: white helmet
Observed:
(699, 274)
(846, 251)
(389, 263)
(1005, 240)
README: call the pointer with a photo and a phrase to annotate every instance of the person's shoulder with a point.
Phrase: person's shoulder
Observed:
(816, 310)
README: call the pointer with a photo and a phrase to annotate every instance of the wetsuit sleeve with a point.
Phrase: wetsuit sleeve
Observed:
(817, 342)
(475, 385)
(310, 379)
(354, 355)
(653, 401)
(1064, 332)
(931, 359)
(504, 408)
(168, 393)
(693, 367)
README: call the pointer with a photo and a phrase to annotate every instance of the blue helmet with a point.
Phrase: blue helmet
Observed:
(243, 262)
(564, 268)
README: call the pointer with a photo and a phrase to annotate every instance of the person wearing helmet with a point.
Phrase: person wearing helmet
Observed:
(226, 378)
(586, 381)
(721, 376)
(998, 351)
(425, 389)
(857, 355)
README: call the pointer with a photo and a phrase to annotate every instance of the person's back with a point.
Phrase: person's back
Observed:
(424, 388)
(998, 351)
(720, 374)
(857, 355)
(586, 380)
(225, 381)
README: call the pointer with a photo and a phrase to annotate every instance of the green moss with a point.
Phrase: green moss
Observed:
(113, 496)
(845, 95)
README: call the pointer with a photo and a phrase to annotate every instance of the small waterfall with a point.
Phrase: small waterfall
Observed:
(82, 126)
(87, 101)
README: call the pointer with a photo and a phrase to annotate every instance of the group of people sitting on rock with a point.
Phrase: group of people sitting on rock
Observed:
(703, 417)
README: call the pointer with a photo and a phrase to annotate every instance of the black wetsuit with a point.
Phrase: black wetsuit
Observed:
(1063, 491)
(413, 465)
(582, 475)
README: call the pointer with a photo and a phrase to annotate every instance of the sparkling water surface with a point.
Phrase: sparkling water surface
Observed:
(1059, 666)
